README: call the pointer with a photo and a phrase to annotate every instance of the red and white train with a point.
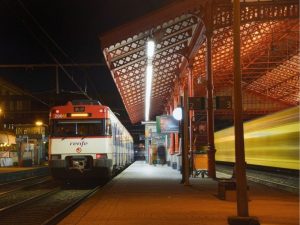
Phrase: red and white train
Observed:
(87, 141)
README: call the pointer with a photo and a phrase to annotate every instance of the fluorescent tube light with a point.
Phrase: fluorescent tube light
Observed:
(150, 49)
(149, 74)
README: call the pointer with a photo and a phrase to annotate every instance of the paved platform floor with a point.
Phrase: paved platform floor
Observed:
(11, 169)
(152, 195)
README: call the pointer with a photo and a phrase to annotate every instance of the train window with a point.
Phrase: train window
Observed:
(108, 130)
(69, 128)
(114, 129)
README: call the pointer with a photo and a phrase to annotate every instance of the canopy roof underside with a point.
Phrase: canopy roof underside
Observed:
(269, 52)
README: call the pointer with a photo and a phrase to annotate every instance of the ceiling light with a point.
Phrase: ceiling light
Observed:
(150, 49)
(177, 113)
(149, 74)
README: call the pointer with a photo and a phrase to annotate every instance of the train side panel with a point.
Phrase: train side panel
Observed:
(271, 141)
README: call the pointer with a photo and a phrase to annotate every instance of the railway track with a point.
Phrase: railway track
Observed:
(44, 203)
(6, 188)
(272, 179)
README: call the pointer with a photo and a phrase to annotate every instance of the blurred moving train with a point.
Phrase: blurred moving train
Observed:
(87, 141)
(270, 141)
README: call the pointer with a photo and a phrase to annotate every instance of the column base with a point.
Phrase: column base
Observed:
(211, 161)
(247, 220)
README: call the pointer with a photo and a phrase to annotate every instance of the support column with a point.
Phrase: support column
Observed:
(182, 140)
(240, 164)
(172, 150)
(241, 181)
(210, 110)
(185, 149)
(191, 115)
(176, 135)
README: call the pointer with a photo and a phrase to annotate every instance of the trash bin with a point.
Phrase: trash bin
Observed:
(200, 166)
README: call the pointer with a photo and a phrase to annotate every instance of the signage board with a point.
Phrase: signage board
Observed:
(196, 103)
(167, 124)
(223, 102)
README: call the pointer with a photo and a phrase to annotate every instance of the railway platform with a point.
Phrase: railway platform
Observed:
(153, 195)
(12, 173)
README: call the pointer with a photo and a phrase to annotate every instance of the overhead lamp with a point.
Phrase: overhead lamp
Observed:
(177, 113)
(150, 48)
(79, 114)
(149, 75)
(39, 123)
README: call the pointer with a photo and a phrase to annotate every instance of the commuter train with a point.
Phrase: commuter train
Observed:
(87, 141)
(270, 141)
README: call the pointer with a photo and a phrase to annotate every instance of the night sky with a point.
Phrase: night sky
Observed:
(64, 31)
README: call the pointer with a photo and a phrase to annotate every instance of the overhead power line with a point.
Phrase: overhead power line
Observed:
(50, 53)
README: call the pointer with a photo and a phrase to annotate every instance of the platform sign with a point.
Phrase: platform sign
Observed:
(167, 124)
(197, 103)
(220, 102)
(223, 102)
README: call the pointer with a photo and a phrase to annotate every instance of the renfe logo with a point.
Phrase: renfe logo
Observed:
(78, 150)
(78, 143)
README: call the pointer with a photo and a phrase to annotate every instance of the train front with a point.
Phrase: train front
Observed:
(80, 141)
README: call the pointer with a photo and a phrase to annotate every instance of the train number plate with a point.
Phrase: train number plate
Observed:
(79, 109)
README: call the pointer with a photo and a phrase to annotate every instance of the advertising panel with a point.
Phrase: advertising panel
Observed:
(167, 124)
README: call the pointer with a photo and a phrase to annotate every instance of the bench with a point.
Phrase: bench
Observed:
(227, 189)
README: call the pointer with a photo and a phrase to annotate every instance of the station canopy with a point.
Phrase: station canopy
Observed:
(269, 51)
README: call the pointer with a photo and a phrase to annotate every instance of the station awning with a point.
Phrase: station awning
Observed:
(269, 52)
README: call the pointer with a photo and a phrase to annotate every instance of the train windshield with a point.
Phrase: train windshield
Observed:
(83, 128)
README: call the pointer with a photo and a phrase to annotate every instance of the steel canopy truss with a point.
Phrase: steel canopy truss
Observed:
(280, 83)
(269, 51)
(127, 61)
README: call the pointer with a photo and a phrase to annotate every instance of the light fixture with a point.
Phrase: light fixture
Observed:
(79, 114)
(150, 48)
(39, 123)
(149, 75)
(177, 113)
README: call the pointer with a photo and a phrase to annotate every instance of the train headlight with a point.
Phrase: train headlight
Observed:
(101, 156)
